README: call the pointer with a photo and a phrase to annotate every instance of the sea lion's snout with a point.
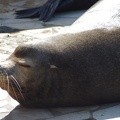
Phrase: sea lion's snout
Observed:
(7, 63)
(6, 70)
(2, 76)
(8, 80)
(6, 67)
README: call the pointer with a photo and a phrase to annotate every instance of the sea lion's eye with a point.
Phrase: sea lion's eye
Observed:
(23, 63)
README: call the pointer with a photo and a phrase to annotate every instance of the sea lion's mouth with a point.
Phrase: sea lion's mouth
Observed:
(9, 82)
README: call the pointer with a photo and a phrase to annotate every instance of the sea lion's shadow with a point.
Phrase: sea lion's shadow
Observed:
(107, 111)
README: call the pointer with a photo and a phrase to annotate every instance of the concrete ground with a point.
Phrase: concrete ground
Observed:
(18, 31)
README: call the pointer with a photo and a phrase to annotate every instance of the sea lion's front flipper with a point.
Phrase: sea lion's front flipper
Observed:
(44, 12)
(26, 13)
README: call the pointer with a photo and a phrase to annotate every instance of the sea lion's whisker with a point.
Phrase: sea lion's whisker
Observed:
(8, 83)
(2, 77)
(3, 81)
(7, 80)
(6, 76)
(21, 95)
(19, 89)
(18, 86)
(16, 83)
(14, 91)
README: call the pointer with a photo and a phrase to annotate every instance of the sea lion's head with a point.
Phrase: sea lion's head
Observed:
(24, 72)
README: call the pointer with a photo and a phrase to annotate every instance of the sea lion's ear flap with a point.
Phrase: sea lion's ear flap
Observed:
(53, 66)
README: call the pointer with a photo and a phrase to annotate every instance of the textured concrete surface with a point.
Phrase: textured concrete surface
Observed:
(17, 31)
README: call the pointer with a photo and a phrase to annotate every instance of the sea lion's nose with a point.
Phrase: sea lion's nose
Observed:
(6, 64)
(6, 67)
(1, 69)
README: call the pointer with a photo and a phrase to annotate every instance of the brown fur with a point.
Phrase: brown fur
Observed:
(81, 70)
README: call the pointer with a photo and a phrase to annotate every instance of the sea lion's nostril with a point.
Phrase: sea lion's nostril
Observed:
(1, 69)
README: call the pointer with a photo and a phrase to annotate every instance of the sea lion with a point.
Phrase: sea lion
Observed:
(72, 68)
(46, 11)
(66, 70)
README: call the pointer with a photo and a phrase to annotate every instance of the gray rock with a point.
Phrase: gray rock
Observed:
(111, 113)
